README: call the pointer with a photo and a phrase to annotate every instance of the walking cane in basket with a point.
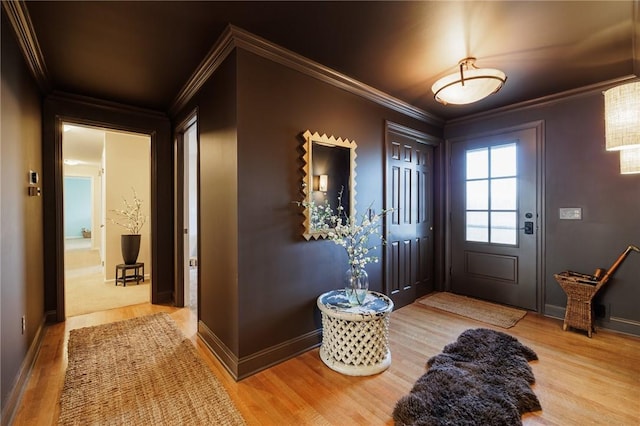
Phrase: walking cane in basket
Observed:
(581, 288)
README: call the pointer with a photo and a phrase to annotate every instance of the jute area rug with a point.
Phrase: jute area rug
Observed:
(141, 371)
(490, 313)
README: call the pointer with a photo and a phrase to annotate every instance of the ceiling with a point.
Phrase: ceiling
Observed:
(142, 53)
(82, 145)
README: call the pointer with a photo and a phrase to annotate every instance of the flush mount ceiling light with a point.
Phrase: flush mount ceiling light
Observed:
(469, 85)
(622, 117)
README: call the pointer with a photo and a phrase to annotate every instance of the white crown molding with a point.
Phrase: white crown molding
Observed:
(545, 100)
(214, 58)
(234, 37)
(59, 96)
(20, 20)
(419, 136)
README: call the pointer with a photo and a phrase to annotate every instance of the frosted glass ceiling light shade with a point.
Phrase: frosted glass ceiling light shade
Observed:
(630, 161)
(622, 117)
(469, 85)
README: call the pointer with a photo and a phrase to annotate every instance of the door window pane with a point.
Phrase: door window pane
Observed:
(492, 194)
(478, 163)
(503, 160)
(477, 195)
(503, 227)
(503, 194)
(478, 226)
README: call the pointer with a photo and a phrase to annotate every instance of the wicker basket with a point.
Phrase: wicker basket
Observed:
(580, 290)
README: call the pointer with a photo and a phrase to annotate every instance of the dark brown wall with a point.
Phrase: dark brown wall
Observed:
(259, 278)
(88, 111)
(281, 274)
(218, 205)
(21, 271)
(580, 173)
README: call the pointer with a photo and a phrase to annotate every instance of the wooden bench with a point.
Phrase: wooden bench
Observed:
(121, 273)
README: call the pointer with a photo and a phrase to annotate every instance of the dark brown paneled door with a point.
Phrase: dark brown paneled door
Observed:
(409, 249)
(494, 218)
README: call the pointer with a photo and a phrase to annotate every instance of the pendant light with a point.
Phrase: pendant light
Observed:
(469, 85)
(630, 161)
(622, 117)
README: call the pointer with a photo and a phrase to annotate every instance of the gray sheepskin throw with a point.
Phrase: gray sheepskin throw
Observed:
(483, 378)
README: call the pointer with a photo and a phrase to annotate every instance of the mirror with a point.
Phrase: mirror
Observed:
(329, 168)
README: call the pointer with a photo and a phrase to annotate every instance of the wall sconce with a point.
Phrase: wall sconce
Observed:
(630, 161)
(323, 183)
(622, 117)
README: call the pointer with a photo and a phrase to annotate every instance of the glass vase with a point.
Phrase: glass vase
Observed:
(356, 285)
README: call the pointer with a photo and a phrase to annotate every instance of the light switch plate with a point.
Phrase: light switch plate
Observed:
(571, 213)
(33, 177)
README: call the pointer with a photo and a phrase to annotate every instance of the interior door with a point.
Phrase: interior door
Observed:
(409, 248)
(494, 218)
(190, 263)
(186, 196)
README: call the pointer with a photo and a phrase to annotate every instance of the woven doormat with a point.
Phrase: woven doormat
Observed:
(490, 313)
(141, 371)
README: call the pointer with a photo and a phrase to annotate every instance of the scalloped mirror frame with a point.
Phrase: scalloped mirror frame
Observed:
(307, 178)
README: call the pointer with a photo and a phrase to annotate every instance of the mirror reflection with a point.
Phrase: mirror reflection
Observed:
(329, 174)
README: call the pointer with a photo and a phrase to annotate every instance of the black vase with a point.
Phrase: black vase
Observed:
(130, 246)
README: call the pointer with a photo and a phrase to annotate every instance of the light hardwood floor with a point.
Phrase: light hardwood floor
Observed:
(579, 381)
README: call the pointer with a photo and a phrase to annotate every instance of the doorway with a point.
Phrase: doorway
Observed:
(409, 249)
(101, 168)
(495, 217)
(190, 137)
(187, 213)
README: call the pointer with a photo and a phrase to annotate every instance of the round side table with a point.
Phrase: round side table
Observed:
(355, 339)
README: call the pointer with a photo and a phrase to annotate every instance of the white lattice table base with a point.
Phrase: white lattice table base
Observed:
(355, 339)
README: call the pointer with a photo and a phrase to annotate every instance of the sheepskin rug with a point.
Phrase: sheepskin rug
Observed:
(483, 378)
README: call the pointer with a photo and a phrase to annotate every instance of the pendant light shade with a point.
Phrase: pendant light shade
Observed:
(622, 116)
(469, 85)
(630, 161)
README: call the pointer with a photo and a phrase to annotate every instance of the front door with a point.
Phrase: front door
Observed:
(409, 239)
(494, 217)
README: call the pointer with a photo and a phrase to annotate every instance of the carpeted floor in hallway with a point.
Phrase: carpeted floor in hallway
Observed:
(85, 288)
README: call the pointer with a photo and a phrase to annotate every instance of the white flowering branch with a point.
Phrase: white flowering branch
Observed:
(130, 217)
(352, 233)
